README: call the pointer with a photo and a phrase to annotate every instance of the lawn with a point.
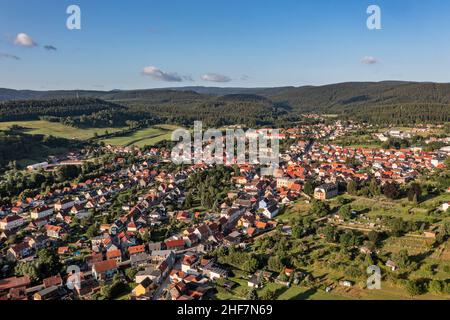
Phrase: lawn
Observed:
(414, 245)
(391, 292)
(143, 137)
(388, 290)
(382, 206)
(295, 292)
(140, 138)
(57, 129)
(435, 201)
(282, 292)
(297, 209)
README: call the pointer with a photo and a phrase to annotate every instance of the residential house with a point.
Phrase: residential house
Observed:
(18, 251)
(140, 259)
(50, 293)
(254, 282)
(392, 265)
(65, 204)
(326, 191)
(14, 282)
(104, 270)
(145, 288)
(52, 281)
(114, 254)
(41, 212)
(178, 244)
(150, 272)
(54, 231)
(271, 212)
(11, 222)
(203, 232)
(136, 249)
(39, 241)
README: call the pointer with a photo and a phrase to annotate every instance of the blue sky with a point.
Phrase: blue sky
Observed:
(249, 43)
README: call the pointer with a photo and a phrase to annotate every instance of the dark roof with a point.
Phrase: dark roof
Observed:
(328, 187)
(146, 282)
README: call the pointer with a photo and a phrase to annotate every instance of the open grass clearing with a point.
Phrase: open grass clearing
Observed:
(57, 129)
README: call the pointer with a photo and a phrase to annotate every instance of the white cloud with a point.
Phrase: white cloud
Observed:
(369, 60)
(214, 77)
(24, 40)
(9, 56)
(160, 75)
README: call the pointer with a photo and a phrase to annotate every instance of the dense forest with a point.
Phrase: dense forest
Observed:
(392, 102)
(215, 112)
(89, 112)
(402, 114)
(33, 109)
(15, 145)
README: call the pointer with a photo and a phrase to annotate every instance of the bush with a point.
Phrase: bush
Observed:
(415, 288)
(436, 286)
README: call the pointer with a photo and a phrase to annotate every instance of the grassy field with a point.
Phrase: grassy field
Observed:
(57, 129)
(297, 209)
(402, 208)
(140, 138)
(388, 291)
(414, 245)
(147, 136)
(282, 292)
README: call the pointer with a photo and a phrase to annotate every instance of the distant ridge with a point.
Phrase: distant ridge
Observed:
(332, 97)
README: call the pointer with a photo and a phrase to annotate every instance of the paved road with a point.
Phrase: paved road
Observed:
(161, 288)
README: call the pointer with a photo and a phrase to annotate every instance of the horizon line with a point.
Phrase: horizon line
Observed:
(226, 87)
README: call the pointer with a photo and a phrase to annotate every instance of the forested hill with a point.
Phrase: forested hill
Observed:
(337, 96)
(301, 98)
(156, 95)
(386, 102)
(34, 109)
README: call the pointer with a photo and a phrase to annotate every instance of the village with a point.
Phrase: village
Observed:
(147, 231)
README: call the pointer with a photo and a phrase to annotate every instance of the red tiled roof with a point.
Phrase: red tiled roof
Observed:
(261, 225)
(113, 254)
(52, 227)
(106, 265)
(14, 282)
(52, 281)
(174, 243)
(62, 250)
(136, 249)
(251, 231)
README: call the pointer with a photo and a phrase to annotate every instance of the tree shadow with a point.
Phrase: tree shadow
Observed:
(304, 295)
(364, 211)
(421, 257)
(280, 291)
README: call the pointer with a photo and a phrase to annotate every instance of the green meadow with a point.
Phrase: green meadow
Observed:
(143, 137)
(139, 138)
(57, 129)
